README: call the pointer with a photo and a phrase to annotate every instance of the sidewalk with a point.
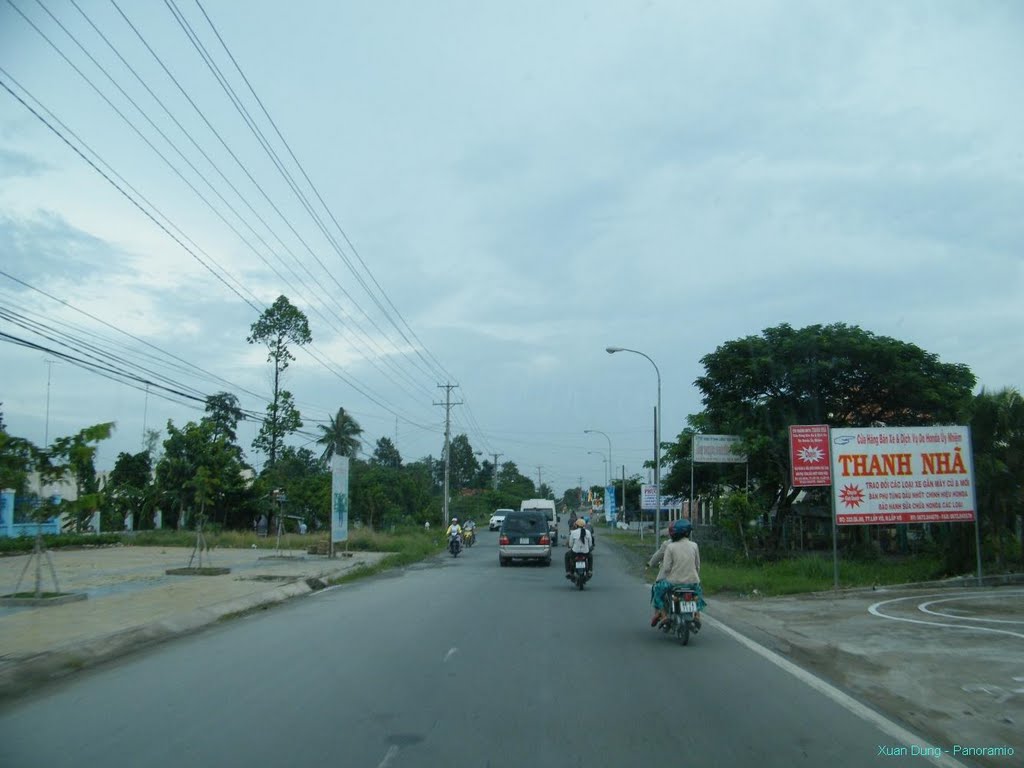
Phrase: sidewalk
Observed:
(132, 602)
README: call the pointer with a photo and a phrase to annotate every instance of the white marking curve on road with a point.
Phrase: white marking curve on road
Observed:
(876, 610)
(924, 608)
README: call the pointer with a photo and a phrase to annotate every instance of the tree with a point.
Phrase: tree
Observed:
(839, 375)
(386, 454)
(340, 436)
(224, 413)
(128, 485)
(462, 463)
(75, 455)
(280, 324)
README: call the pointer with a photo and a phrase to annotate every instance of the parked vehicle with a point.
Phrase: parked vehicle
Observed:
(497, 519)
(682, 612)
(524, 535)
(581, 573)
(547, 506)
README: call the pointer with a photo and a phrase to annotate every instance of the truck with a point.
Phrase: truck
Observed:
(548, 507)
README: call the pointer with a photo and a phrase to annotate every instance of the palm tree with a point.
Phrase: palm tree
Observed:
(340, 436)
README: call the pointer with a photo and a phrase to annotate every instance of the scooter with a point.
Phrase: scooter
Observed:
(682, 614)
(455, 545)
(468, 537)
(581, 573)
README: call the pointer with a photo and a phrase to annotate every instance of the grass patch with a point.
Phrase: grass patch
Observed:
(724, 572)
(21, 544)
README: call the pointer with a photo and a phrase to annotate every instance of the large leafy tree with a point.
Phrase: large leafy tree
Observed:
(462, 462)
(280, 326)
(997, 436)
(128, 485)
(839, 375)
(75, 455)
(340, 436)
(224, 412)
(385, 454)
(17, 457)
(306, 483)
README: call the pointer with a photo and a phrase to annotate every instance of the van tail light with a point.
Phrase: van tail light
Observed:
(545, 539)
(503, 540)
(688, 597)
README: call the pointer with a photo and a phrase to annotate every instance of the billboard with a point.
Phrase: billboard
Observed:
(889, 475)
(339, 498)
(717, 449)
(809, 455)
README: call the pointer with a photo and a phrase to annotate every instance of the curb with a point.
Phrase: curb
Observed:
(19, 675)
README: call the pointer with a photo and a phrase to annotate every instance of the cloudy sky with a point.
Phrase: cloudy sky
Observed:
(488, 195)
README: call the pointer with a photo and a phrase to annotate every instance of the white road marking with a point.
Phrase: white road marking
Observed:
(451, 652)
(924, 608)
(897, 733)
(876, 610)
(388, 756)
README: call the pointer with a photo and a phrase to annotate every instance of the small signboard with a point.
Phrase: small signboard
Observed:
(809, 455)
(889, 475)
(718, 449)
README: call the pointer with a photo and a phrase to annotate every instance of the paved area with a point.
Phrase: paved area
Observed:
(132, 601)
(946, 661)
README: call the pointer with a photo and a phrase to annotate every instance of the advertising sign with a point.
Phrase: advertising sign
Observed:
(893, 475)
(609, 508)
(809, 455)
(339, 498)
(717, 449)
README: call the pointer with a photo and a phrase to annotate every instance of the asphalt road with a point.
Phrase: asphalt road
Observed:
(454, 662)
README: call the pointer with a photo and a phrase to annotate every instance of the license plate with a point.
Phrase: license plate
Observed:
(581, 566)
(690, 607)
(524, 541)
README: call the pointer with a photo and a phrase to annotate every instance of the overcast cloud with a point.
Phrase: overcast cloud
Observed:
(528, 183)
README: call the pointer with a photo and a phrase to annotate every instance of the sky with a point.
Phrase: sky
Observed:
(489, 195)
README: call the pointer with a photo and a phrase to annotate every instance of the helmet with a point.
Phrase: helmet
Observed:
(681, 526)
(580, 523)
(455, 520)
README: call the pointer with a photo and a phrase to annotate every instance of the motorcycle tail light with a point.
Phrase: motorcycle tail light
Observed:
(688, 596)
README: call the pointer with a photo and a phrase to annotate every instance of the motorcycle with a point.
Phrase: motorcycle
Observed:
(581, 573)
(468, 537)
(455, 545)
(682, 613)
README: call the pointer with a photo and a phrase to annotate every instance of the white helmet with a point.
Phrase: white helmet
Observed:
(455, 520)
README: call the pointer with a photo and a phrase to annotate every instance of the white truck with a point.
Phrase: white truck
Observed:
(548, 507)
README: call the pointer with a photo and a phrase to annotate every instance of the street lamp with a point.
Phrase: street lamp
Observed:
(611, 466)
(605, 460)
(657, 443)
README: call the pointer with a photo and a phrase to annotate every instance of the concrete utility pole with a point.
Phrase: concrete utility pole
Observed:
(447, 439)
(539, 482)
(496, 455)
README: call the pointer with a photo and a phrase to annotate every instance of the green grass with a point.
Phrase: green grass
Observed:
(723, 572)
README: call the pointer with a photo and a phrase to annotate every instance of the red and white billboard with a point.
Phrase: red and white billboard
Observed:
(893, 475)
(809, 455)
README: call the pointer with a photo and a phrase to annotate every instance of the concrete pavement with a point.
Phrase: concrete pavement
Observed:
(132, 602)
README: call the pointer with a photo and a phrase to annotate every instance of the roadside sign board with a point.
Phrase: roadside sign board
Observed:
(889, 475)
(717, 449)
(339, 498)
(649, 497)
(809, 455)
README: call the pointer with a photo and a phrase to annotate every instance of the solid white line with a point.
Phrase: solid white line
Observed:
(388, 756)
(875, 610)
(896, 732)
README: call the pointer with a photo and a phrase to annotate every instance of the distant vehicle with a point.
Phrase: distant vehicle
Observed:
(524, 535)
(497, 519)
(547, 506)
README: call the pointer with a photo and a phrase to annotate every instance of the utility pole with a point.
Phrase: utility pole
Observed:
(496, 455)
(447, 440)
(49, 371)
(539, 482)
(581, 493)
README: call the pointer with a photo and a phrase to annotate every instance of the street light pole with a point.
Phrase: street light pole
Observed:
(611, 465)
(605, 460)
(657, 444)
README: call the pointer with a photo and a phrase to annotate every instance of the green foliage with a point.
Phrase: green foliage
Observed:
(385, 454)
(340, 436)
(224, 412)
(463, 466)
(63, 540)
(280, 324)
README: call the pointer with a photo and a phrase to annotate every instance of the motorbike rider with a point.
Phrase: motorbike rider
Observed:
(454, 531)
(680, 567)
(580, 541)
(469, 530)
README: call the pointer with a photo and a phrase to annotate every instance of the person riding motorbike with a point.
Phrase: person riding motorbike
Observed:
(580, 541)
(680, 567)
(454, 532)
(469, 532)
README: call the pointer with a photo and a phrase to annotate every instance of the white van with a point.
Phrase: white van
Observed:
(548, 507)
